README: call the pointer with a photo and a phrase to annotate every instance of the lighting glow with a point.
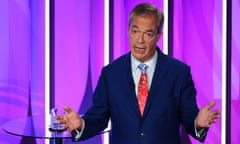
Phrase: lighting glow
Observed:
(47, 66)
(106, 32)
(224, 70)
(165, 28)
(106, 53)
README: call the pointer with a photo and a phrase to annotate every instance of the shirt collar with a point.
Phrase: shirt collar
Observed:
(151, 62)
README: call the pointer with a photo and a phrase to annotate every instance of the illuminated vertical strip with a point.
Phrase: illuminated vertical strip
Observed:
(165, 28)
(224, 69)
(106, 51)
(106, 32)
(47, 65)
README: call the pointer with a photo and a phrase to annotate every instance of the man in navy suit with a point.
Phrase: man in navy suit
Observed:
(170, 93)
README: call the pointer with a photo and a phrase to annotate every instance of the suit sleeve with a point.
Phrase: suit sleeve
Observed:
(189, 108)
(97, 117)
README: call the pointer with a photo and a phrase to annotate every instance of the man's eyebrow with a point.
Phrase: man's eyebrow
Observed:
(134, 26)
(149, 31)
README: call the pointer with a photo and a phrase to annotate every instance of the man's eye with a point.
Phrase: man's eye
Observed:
(134, 31)
(150, 35)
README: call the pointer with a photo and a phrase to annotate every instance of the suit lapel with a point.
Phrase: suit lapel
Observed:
(131, 87)
(160, 70)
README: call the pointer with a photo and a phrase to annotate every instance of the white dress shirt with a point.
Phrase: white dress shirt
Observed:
(136, 72)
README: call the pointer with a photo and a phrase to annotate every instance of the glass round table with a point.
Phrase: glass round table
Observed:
(35, 127)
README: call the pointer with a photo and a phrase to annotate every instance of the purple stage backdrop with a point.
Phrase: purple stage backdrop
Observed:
(79, 55)
(198, 42)
(235, 71)
(21, 63)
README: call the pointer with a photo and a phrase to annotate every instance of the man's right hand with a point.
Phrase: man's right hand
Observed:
(71, 119)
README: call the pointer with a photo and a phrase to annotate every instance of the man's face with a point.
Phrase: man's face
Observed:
(143, 37)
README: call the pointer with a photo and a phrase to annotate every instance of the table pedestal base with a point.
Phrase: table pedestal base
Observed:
(56, 141)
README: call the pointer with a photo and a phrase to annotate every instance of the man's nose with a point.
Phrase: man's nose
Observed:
(141, 38)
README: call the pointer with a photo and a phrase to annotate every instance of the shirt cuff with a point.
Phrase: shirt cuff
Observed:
(199, 132)
(77, 133)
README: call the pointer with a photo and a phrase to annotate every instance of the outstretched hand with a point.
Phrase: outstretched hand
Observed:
(206, 117)
(71, 119)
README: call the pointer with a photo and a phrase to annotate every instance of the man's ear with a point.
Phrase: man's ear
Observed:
(159, 35)
(128, 30)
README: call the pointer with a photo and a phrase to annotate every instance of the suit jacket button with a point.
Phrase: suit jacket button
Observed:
(141, 134)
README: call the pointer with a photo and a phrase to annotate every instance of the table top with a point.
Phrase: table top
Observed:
(33, 126)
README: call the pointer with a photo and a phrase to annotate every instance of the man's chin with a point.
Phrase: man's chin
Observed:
(139, 57)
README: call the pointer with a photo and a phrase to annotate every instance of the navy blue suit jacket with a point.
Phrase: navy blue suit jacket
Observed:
(171, 102)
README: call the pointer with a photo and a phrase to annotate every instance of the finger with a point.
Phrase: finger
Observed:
(214, 116)
(62, 122)
(211, 104)
(70, 129)
(59, 117)
(209, 125)
(65, 126)
(215, 120)
(217, 112)
(67, 109)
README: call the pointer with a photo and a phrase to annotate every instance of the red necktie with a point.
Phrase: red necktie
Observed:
(142, 88)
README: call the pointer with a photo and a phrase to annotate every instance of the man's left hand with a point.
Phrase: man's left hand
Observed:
(206, 117)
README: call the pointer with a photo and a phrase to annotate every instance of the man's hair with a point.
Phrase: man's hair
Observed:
(146, 9)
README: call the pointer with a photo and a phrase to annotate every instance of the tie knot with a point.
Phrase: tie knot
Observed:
(143, 67)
